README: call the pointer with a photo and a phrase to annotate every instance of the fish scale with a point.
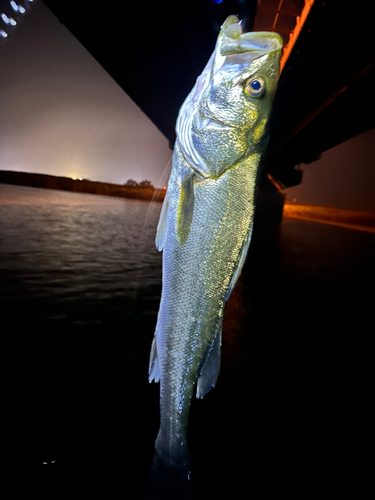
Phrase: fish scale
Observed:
(206, 222)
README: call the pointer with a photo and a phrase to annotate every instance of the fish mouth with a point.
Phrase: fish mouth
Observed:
(241, 49)
(234, 40)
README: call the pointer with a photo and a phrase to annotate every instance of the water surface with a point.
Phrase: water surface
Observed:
(75, 255)
(80, 283)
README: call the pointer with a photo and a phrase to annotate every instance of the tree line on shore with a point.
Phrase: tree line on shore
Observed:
(142, 185)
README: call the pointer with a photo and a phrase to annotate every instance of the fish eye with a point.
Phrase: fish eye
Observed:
(255, 87)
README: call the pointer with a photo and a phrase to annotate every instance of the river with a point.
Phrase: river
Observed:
(80, 283)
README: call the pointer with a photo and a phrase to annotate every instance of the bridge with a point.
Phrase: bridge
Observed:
(155, 51)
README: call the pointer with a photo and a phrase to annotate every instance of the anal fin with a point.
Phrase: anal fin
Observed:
(208, 376)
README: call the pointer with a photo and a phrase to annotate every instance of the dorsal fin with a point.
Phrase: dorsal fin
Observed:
(240, 264)
(153, 367)
(208, 376)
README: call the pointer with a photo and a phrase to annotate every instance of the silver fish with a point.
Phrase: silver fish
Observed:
(206, 221)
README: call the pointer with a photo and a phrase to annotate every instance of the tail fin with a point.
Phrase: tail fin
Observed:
(167, 482)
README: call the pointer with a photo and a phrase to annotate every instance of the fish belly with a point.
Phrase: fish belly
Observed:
(196, 276)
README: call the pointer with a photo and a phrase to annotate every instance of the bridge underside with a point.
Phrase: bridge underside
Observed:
(156, 50)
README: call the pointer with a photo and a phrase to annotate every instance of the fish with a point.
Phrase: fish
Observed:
(206, 222)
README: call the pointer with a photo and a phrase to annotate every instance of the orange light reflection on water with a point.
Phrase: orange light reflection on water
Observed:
(351, 219)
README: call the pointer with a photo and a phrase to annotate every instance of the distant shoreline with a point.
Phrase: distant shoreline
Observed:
(352, 219)
(80, 186)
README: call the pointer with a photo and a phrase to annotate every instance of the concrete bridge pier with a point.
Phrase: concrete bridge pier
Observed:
(269, 199)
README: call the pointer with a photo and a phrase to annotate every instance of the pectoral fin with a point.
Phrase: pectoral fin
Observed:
(208, 376)
(185, 207)
(162, 224)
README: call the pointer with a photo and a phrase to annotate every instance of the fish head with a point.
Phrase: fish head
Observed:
(226, 113)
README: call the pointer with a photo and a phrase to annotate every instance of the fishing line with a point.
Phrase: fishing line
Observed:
(146, 230)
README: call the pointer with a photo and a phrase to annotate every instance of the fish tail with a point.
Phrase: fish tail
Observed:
(172, 452)
(168, 481)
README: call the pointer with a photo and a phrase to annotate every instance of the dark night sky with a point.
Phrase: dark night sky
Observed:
(62, 114)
